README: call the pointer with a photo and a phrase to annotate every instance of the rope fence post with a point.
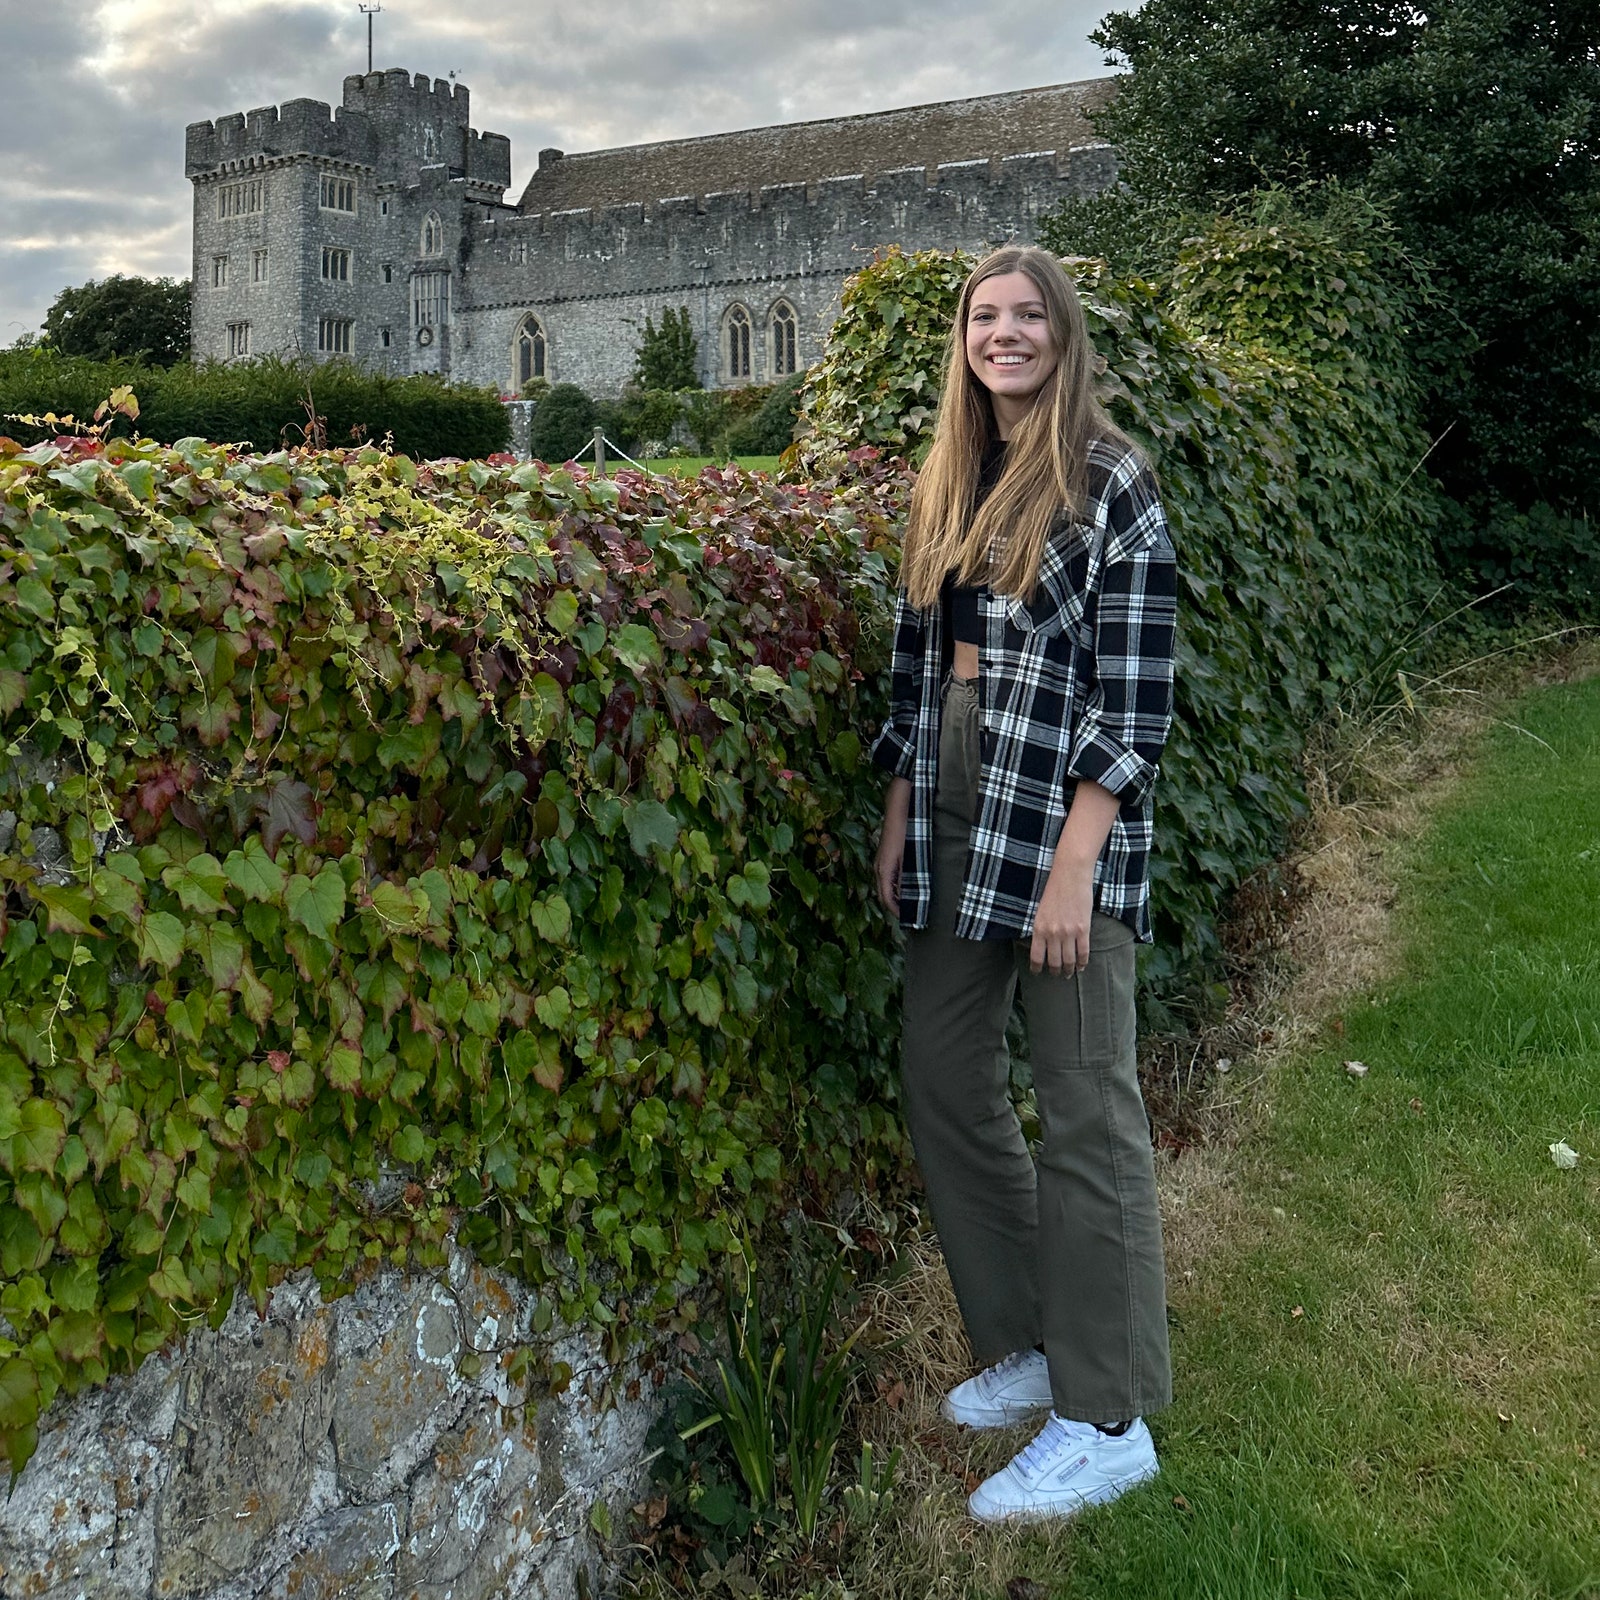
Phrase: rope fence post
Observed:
(599, 453)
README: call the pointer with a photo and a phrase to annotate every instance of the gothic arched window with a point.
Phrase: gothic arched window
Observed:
(737, 342)
(528, 352)
(783, 325)
(433, 235)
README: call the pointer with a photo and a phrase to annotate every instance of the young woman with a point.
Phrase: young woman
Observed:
(1032, 693)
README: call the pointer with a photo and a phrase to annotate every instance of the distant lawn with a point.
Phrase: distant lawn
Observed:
(1427, 1422)
(689, 466)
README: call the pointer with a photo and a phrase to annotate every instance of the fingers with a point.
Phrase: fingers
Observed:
(889, 887)
(1065, 954)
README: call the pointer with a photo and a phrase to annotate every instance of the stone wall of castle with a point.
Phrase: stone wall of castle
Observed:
(440, 274)
(592, 276)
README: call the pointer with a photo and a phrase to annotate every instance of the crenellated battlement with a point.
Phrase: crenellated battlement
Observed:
(297, 127)
(390, 121)
(396, 93)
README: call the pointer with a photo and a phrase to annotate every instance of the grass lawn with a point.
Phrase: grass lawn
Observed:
(689, 466)
(1389, 1371)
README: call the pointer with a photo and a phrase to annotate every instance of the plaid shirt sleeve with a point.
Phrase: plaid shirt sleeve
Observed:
(895, 747)
(1128, 710)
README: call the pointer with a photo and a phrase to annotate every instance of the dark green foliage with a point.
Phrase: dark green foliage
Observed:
(1476, 124)
(1269, 386)
(263, 402)
(492, 826)
(134, 319)
(1539, 559)
(711, 415)
(667, 357)
(640, 417)
(770, 431)
(563, 424)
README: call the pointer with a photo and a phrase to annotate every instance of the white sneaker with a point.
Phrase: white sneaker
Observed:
(1007, 1392)
(1069, 1466)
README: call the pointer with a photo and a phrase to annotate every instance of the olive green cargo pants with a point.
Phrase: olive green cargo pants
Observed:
(1066, 1250)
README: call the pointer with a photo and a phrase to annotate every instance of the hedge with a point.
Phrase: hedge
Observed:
(262, 402)
(491, 829)
(1268, 380)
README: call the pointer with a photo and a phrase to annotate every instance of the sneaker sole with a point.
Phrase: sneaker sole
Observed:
(1112, 1489)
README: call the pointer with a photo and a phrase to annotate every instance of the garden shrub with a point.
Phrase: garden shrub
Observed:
(563, 424)
(464, 844)
(641, 416)
(771, 430)
(260, 402)
(1268, 382)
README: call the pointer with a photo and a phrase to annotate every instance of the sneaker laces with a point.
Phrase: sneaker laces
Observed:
(1057, 1436)
(1008, 1366)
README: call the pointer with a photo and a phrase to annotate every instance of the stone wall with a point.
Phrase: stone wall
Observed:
(592, 276)
(371, 1448)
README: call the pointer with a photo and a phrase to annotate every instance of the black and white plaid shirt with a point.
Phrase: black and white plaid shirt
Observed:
(1077, 684)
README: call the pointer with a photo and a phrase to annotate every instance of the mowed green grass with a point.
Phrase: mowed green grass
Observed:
(690, 466)
(1428, 1424)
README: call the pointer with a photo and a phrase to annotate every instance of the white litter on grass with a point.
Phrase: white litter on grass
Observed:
(1225, 1064)
(1356, 1069)
(1563, 1155)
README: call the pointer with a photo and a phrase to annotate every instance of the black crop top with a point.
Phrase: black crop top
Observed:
(962, 622)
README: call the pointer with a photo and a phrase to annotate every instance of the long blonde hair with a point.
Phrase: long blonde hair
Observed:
(1002, 542)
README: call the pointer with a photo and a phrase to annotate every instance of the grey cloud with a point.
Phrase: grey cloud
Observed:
(92, 131)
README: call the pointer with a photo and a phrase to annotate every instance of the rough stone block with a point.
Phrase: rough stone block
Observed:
(400, 1393)
(254, 1409)
(345, 1555)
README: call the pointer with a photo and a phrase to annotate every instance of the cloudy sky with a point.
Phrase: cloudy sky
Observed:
(97, 92)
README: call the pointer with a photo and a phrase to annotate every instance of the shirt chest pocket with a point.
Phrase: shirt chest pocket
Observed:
(1058, 605)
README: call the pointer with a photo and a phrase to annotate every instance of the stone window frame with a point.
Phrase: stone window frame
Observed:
(335, 263)
(336, 193)
(738, 328)
(530, 328)
(430, 300)
(219, 272)
(387, 271)
(432, 234)
(385, 338)
(783, 339)
(243, 199)
(238, 340)
(335, 335)
(260, 265)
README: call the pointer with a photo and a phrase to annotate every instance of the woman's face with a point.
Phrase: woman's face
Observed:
(1010, 347)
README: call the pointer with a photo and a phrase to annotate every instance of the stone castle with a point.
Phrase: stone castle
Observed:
(380, 230)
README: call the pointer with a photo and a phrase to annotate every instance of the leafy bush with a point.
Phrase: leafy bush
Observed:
(1268, 383)
(640, 415)
(563, 424)
(712, 414)
(771, 430)
(261, 402)
(453, 843)
(1538, 559)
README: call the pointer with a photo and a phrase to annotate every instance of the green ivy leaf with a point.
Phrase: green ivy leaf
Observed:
(651, 827)
(253, 872)
(317, 904)
(40, 1137)
(702, 998)
(637, 648)
(161, 939)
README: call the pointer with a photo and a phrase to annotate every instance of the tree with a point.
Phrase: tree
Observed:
(137, 318)
(667, 357)
(563, 424)
(1475, 123)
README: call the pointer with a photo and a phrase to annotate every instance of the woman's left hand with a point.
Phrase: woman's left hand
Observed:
(1061, 924)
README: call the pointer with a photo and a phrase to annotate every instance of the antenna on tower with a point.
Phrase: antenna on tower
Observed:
(369, 12)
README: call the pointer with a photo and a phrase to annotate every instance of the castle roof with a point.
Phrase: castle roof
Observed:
(1024, 120)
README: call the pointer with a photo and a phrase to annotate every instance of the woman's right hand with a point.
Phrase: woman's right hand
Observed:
(892, 843)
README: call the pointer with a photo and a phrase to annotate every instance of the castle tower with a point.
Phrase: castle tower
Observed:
(329, 233)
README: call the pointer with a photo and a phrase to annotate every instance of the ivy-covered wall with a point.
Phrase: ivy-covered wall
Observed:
(387, 847)
(1269, 381)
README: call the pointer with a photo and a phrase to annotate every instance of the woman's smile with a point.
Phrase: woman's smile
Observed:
(1009, 343)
